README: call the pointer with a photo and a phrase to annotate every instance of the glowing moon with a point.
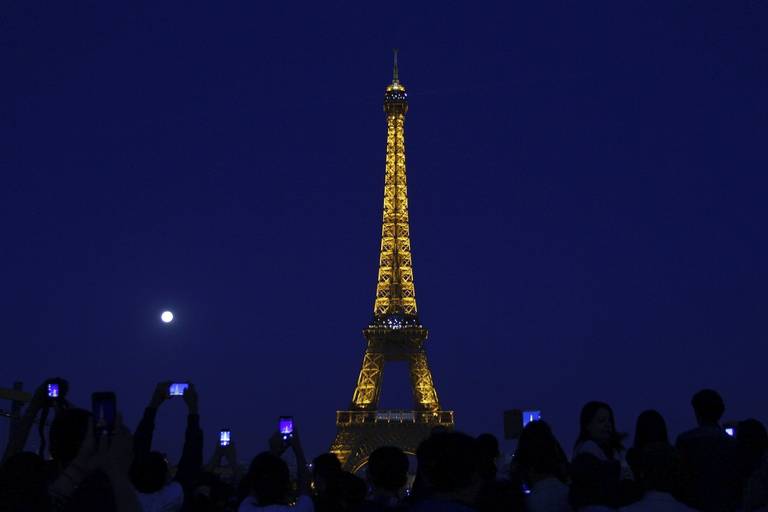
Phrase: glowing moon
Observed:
(166, 317)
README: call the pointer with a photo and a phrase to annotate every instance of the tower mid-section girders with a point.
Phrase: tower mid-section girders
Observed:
(395, 345)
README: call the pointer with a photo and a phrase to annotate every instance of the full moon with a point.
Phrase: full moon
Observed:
(167, 317)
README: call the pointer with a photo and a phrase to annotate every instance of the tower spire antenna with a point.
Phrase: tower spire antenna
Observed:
(395, 77)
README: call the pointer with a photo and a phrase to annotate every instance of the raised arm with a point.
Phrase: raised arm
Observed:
(278, 445)
(303, 476)
(24, 426)
(142, 439)
(191, 461)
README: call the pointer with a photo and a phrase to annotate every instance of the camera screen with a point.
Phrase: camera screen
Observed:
(529, 416)
(730, 431)
(53, 390)
(177, 388)
(286, 425)
(225, 436)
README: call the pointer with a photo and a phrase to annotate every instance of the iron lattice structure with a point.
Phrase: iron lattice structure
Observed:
(395, 334)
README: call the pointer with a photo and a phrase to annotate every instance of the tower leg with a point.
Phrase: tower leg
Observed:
(424, 392)
(366, 395)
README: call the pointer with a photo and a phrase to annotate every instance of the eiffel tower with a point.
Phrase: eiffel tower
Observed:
(395, 333)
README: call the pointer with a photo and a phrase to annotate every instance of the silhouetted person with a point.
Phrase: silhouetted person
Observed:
(599, 478)
(657, 468)
(24, 484)
(353, 492)
(90, 471)
(211, 494)
(650, 429)
(150, 472)
(447, 465)
(216, 486)
(269, 482)
(487, 447)
(501, 496)
(712, 468)
(543, 466)
(752, 439)
(493, 494)
(326, 479)
(39, 404)
(67, 434)
(270, 485)
(387, 474)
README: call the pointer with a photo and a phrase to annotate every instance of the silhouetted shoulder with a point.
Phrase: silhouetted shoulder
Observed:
(589, 448)
(702, 433)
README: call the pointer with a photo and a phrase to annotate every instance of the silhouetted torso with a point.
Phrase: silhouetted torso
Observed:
(548, 495)
(713, 470)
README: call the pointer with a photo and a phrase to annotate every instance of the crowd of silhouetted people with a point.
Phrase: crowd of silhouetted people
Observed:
(83, 466)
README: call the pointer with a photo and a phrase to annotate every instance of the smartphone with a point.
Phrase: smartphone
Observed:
(104, 408)
(731, 431)
(286, 426)
(53, 390)
(529, 416)
(513, 423)
(225, 437)
(177, 388)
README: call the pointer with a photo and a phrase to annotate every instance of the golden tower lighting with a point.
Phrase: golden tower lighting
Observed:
(395, 333)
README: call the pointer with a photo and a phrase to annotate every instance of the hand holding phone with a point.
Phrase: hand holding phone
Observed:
(177, 388)
(285, 427)
(190, 398)
(53, 390)
(160, 394)
(104, 408)
(529, 416)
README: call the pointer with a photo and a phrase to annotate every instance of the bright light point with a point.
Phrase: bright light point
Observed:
(167, 317)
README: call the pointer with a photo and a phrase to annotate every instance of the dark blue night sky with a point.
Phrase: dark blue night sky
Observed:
(587, 186)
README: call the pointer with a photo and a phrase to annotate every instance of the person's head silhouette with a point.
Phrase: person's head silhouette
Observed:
(708, 406)
(487, 447)
(597, 424)
(150, 472)
(387, 469)
(650, 428)
(67, 432)
(447, 464)
(270, 479)
(539, 454)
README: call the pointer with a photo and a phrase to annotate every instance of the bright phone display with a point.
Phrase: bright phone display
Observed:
(286, 426)
(529, 416)
(177, 388)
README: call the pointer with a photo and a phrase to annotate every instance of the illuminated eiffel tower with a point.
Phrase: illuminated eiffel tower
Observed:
(395, 333)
